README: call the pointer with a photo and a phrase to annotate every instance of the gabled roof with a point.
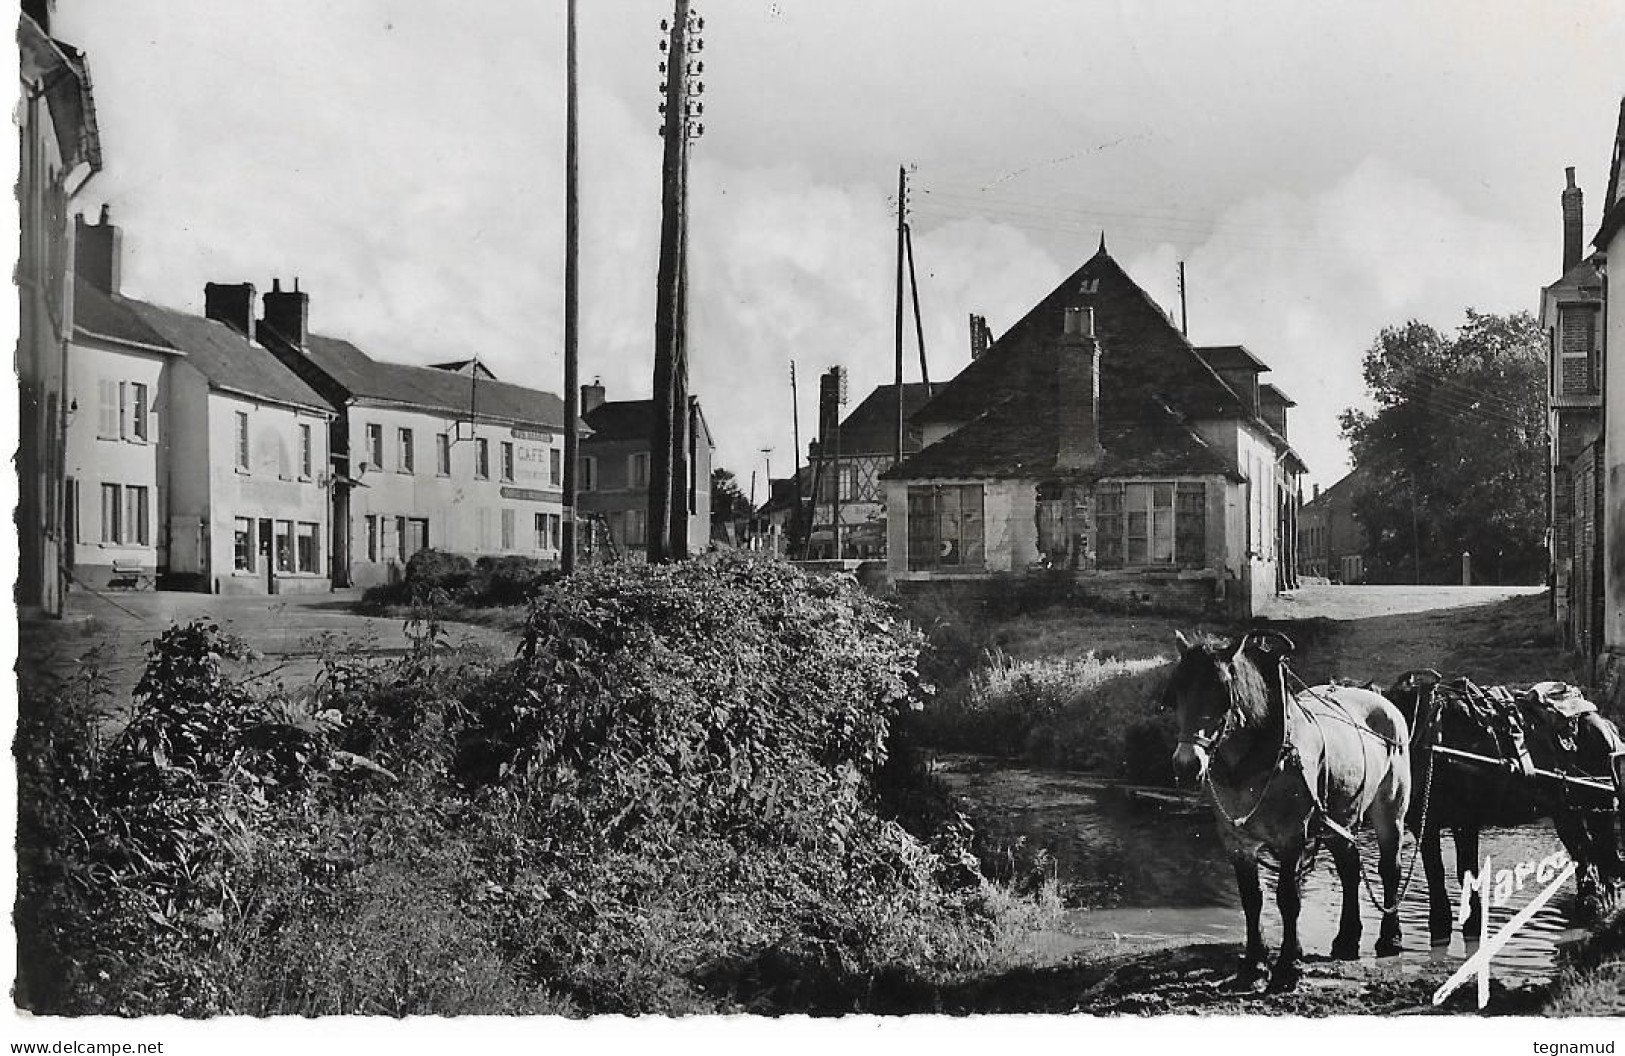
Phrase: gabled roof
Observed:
(1142, 354)
(225, 357)
(426, 388)
(1613, 209)
(1270, 392)
(1019, 437)
(634, 420)
(1340, 491)
(871, 428)
(622, 420)
(1230, 357)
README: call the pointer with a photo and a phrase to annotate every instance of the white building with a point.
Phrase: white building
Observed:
(445, 457)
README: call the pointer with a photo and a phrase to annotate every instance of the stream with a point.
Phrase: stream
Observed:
(1149, 872)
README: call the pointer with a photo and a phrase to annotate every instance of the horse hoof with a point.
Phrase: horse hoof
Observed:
(1346, 951)
(1390, 947)
(1286, 976)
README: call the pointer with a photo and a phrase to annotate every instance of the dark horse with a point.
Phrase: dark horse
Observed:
(1466, 797)
(1283, 770)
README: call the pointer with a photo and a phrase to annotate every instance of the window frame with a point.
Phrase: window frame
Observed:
(140, 412)
(375, 445)
(243, 442)
(588, 464)
(1114, 524)
(442, 454)
(505, 460)
(243, 550)
(927, 507)
(482, 458)
(405, 450)
(112, 533)
(307, 450)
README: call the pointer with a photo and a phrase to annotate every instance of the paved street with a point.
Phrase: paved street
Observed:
(289, 631)
(1336, 602)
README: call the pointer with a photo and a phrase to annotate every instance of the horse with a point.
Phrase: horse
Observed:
(1282, 771)
(1467, 797)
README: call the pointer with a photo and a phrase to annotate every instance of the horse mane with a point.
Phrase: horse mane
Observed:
(1214, 659)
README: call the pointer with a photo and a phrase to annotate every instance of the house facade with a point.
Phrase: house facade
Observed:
(1572, 312)
(1093, 438)
(849, 497)
(443, 457)
(1610, 240)
(59, 152)
(194, 459)
(1331, 543)
(613, 481)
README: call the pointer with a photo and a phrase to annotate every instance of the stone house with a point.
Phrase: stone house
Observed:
(1331, 543)
(613, 480)
(1093, 438)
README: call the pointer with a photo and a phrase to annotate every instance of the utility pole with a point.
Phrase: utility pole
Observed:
(919, 323)
(1184, 323)
(572, 296)
(668, 470)
(902, 219)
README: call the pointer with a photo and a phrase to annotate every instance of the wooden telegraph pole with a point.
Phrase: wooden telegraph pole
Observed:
(668, 445)
(902, 220)
(572, 298)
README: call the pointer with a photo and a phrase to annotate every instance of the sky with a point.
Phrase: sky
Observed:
(1322, 169)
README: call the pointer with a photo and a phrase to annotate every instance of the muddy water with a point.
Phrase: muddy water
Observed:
(1147, 873)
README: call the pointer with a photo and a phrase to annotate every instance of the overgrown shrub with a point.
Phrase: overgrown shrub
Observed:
(1086, 712)
(667, 803)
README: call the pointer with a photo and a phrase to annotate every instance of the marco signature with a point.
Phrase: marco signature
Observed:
(1553, 871)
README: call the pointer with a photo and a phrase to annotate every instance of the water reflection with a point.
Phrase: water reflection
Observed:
(1137, 873)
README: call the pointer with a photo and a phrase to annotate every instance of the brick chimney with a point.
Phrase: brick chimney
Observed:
(288, 313)
(980, 337)
(1573, 222)
(1077, 384)
(592, 396)
(231, 303)
(98, 249)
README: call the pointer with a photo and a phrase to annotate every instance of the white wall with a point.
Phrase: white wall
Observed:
(463, 511)
(121, 458)
(1614, 451)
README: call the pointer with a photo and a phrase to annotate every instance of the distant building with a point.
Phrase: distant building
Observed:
(1331, 543)
(194, 459)
(1572, 312)
(613, 480)
(1610, 240)
(1093, 438)
(59, 152)
(443, 457)
(847, 466)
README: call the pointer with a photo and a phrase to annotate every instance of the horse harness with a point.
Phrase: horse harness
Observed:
(1288, 756)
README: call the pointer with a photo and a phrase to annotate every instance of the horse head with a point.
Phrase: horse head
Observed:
(1218, 688)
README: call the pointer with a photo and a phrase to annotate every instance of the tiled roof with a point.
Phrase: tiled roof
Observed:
(871, 428)
(622, 420)
(1270, 392)
(1143, 355)
(429, 388)
(1613, 207)
(228, 359)
(1228, 357)
(1019, 437)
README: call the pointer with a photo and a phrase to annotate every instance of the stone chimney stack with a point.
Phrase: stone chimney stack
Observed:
(288, 313)
(592, 396)
(1573, 222)
(231, 303)
(1077, 382)
(98, 249)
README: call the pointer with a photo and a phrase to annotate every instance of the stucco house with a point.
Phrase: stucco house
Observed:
(59, 151)
(613, 482)
(193, 457)
(1093, 438)
(1331, 543)
(447, 457)
(1610, 240)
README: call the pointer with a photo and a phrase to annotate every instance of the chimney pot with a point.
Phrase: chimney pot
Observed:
(288, 313)
(231, 303)
(592, 397)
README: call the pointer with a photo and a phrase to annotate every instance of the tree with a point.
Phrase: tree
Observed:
(729, 505)
(1453, 457)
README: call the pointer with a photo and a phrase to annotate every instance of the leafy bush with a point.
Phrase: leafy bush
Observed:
(667, 803)
(431, 569)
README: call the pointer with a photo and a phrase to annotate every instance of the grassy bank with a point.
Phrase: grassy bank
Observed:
(680, 797)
